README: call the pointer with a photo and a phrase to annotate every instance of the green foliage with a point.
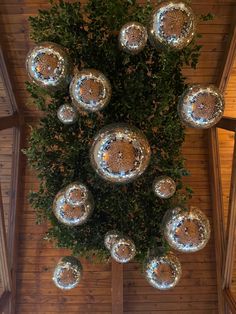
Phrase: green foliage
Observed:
(207, 17)
(146, 88)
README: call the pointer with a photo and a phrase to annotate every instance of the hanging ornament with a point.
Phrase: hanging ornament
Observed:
(110, 238)
(76, 193)
(133, 37)
(67, 114)
(68, 273)
(172, 25)
(163, 272)
(201, 106)
(164, 187)
(90, 90)
(123, 250)
(72, 215)
(49, 66)
(186, 230)
(120, 153)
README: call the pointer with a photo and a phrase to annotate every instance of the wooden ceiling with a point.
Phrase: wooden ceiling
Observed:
(15, 39)
(226, 145)
(4, 101)
(197, 291)
(230, 94)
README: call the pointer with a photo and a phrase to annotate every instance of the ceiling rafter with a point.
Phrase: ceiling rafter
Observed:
(214, 169)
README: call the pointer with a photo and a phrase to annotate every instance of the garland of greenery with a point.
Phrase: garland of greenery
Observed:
(145, 97)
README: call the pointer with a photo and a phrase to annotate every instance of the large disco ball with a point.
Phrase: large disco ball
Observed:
(49, 66)
(172, 25)
(68, 273)
(186, 231)
(123, 250)
(164, 187)
(133, 37)
(90, 90)
(120, 153)
(67, 114)
(163, 272)
(110, 238)
(201, 106)
(74, 214)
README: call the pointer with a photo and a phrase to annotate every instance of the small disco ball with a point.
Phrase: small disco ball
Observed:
(72, 215)
(110, 238)
(68, 273)
(163, 272)
(123, 250)
(67, 114)
(164, 187)
(133, 37)
(49, 66)
(173, 25)
(76, 193)
(120, 153)
(90, 90)
(186, 231)
(201, 106)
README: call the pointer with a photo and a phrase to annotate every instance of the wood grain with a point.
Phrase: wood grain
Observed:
(197, 291)
(117, 288)
(231, 226)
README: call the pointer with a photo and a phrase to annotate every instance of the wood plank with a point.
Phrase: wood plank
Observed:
(9, 121)
(217, 204)
(17, 167)
(230, 300)
(173, 312)
(227, 64)
(227, 123)
(4, 257)
(216, 184)
(231, 228)
(63, 307)
(4, 299)
(7, 83)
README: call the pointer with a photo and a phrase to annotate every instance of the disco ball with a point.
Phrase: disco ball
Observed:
(186, 230)
(173, 25)
(163, 272)
(110, 238)
(67, 114)
(77, 193)
(123, 250)
(72, 215)
(120, 153)
(90, 90)
(201, 106)
(68, 273)
(49, 66)
(164, 187)
(133, 37)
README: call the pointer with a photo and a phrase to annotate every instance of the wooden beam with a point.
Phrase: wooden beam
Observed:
(16, 200)
(231, 228)
(9, 121)
(214, 166)
(230, 300)
(117, 288)
(7, 83)
(16, 203)
(218, 214)
(4, 259)
(229, 58)
(4, 300)
(227, 123)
